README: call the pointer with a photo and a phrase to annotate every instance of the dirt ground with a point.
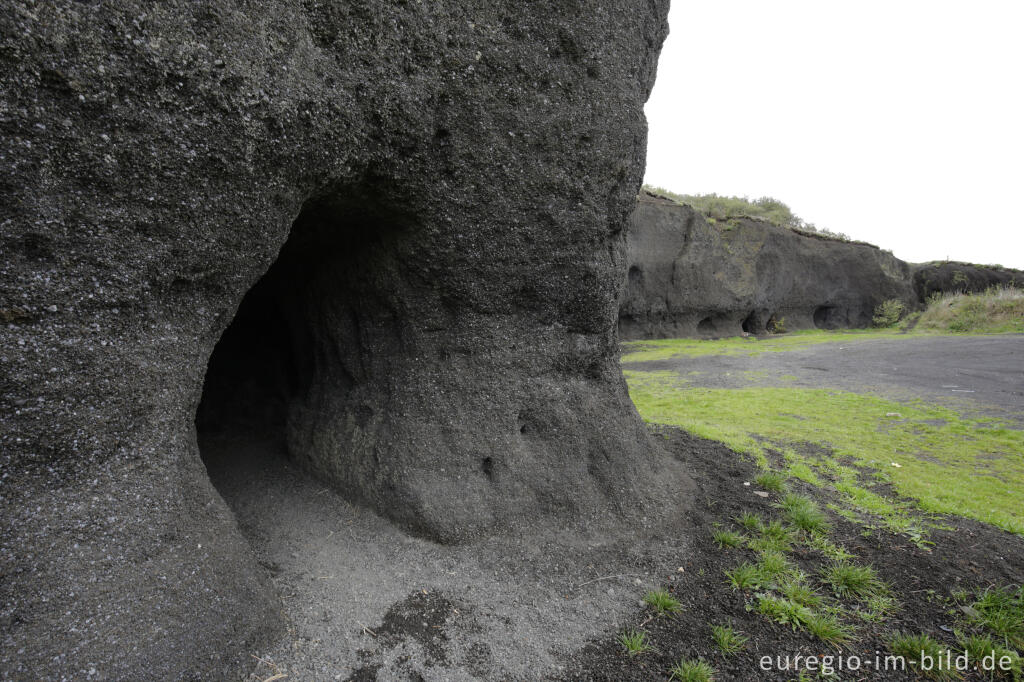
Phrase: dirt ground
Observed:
(982, 373)
(366, 601)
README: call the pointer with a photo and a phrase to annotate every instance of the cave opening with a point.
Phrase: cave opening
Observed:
(706, 326)
(309, 322)
(751, 323)
(826, 317)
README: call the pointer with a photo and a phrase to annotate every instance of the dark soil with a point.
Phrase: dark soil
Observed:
(969, 556)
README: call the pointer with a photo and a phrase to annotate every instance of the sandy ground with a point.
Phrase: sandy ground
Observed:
(367, 601)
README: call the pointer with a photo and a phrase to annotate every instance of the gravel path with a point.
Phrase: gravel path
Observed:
(983, 374)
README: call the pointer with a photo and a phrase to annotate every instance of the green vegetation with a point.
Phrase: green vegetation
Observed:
(744, 577)
(727, 538)
(635, 641)
(888, 313)
(854, 433)
(689, 670)
(1000, 309)
(727, 209)
(662, 602)
(662, 349)
(853, 580)
(771, 480)
(1000, 610)
(979, 647)
(751, 522)
(783, 611)
(728, 640)
(828, 628)
(915, 647)
(803, 513)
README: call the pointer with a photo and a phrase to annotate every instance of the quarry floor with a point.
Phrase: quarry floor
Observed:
(366, 601)
(983, 374)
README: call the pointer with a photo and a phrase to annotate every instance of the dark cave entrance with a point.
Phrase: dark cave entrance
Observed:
(312, 320)
(706, 326)
(752, 324)
(827, 317)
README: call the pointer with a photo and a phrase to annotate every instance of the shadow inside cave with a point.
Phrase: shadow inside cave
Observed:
(312, 332)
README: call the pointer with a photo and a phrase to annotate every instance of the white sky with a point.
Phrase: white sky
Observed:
(898, 122)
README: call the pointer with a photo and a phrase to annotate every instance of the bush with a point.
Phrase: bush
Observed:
(888, 313)
(1000, 309)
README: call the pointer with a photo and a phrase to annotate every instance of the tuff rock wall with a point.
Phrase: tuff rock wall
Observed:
(434, 195)
(689, 278)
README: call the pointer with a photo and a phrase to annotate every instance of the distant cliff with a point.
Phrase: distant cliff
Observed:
(688, 277)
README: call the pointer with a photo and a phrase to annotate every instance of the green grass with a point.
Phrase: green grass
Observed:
(727, 538)
(783, 611)
(828, 628)
(772, 481)
(998, 310)
(877, 608)
(973, 467)
(728, 640)
(690, 670)
(913, 647)
(744, 577)
(772, 567)
(750, 521)
(980, 646)
(796, 589)
(635, 642)
(1000, 610)
(662, 349)
(852, 580)
(803, 513)
(827, 548)
(662, 602)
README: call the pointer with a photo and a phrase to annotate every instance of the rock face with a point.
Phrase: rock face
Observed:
(416, 211)
(687, 277)
(950, 276)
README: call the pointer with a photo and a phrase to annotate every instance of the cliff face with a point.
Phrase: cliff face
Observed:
(400, 225)
(688, 278)
(945, 277)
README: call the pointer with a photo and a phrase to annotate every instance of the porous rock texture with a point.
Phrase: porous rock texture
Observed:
(447, 186)
(689, 278)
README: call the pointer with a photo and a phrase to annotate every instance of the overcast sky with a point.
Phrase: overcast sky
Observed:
(898, 122)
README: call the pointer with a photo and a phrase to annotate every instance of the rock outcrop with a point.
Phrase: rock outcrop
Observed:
(425, 203)
(690, 278)
(950, 276)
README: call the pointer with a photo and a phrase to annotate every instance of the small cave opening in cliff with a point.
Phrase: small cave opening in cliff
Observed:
(752, 325)
(827, 317)
(301, 327)
(706, 326)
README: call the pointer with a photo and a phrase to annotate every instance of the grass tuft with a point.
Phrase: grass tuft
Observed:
(662, 602)
(1001, 611)
(727, 538)
(635, 641)
(773, 567)
(728, 640)
(771, 480)
(914, 648)
(750, 521)
(803, 513)
(783, 611)
(828, 628)
(690, 670)
(744, 577)
(852, 580)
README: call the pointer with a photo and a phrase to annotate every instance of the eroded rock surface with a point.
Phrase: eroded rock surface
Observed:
(446, 185)
(687, 277)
